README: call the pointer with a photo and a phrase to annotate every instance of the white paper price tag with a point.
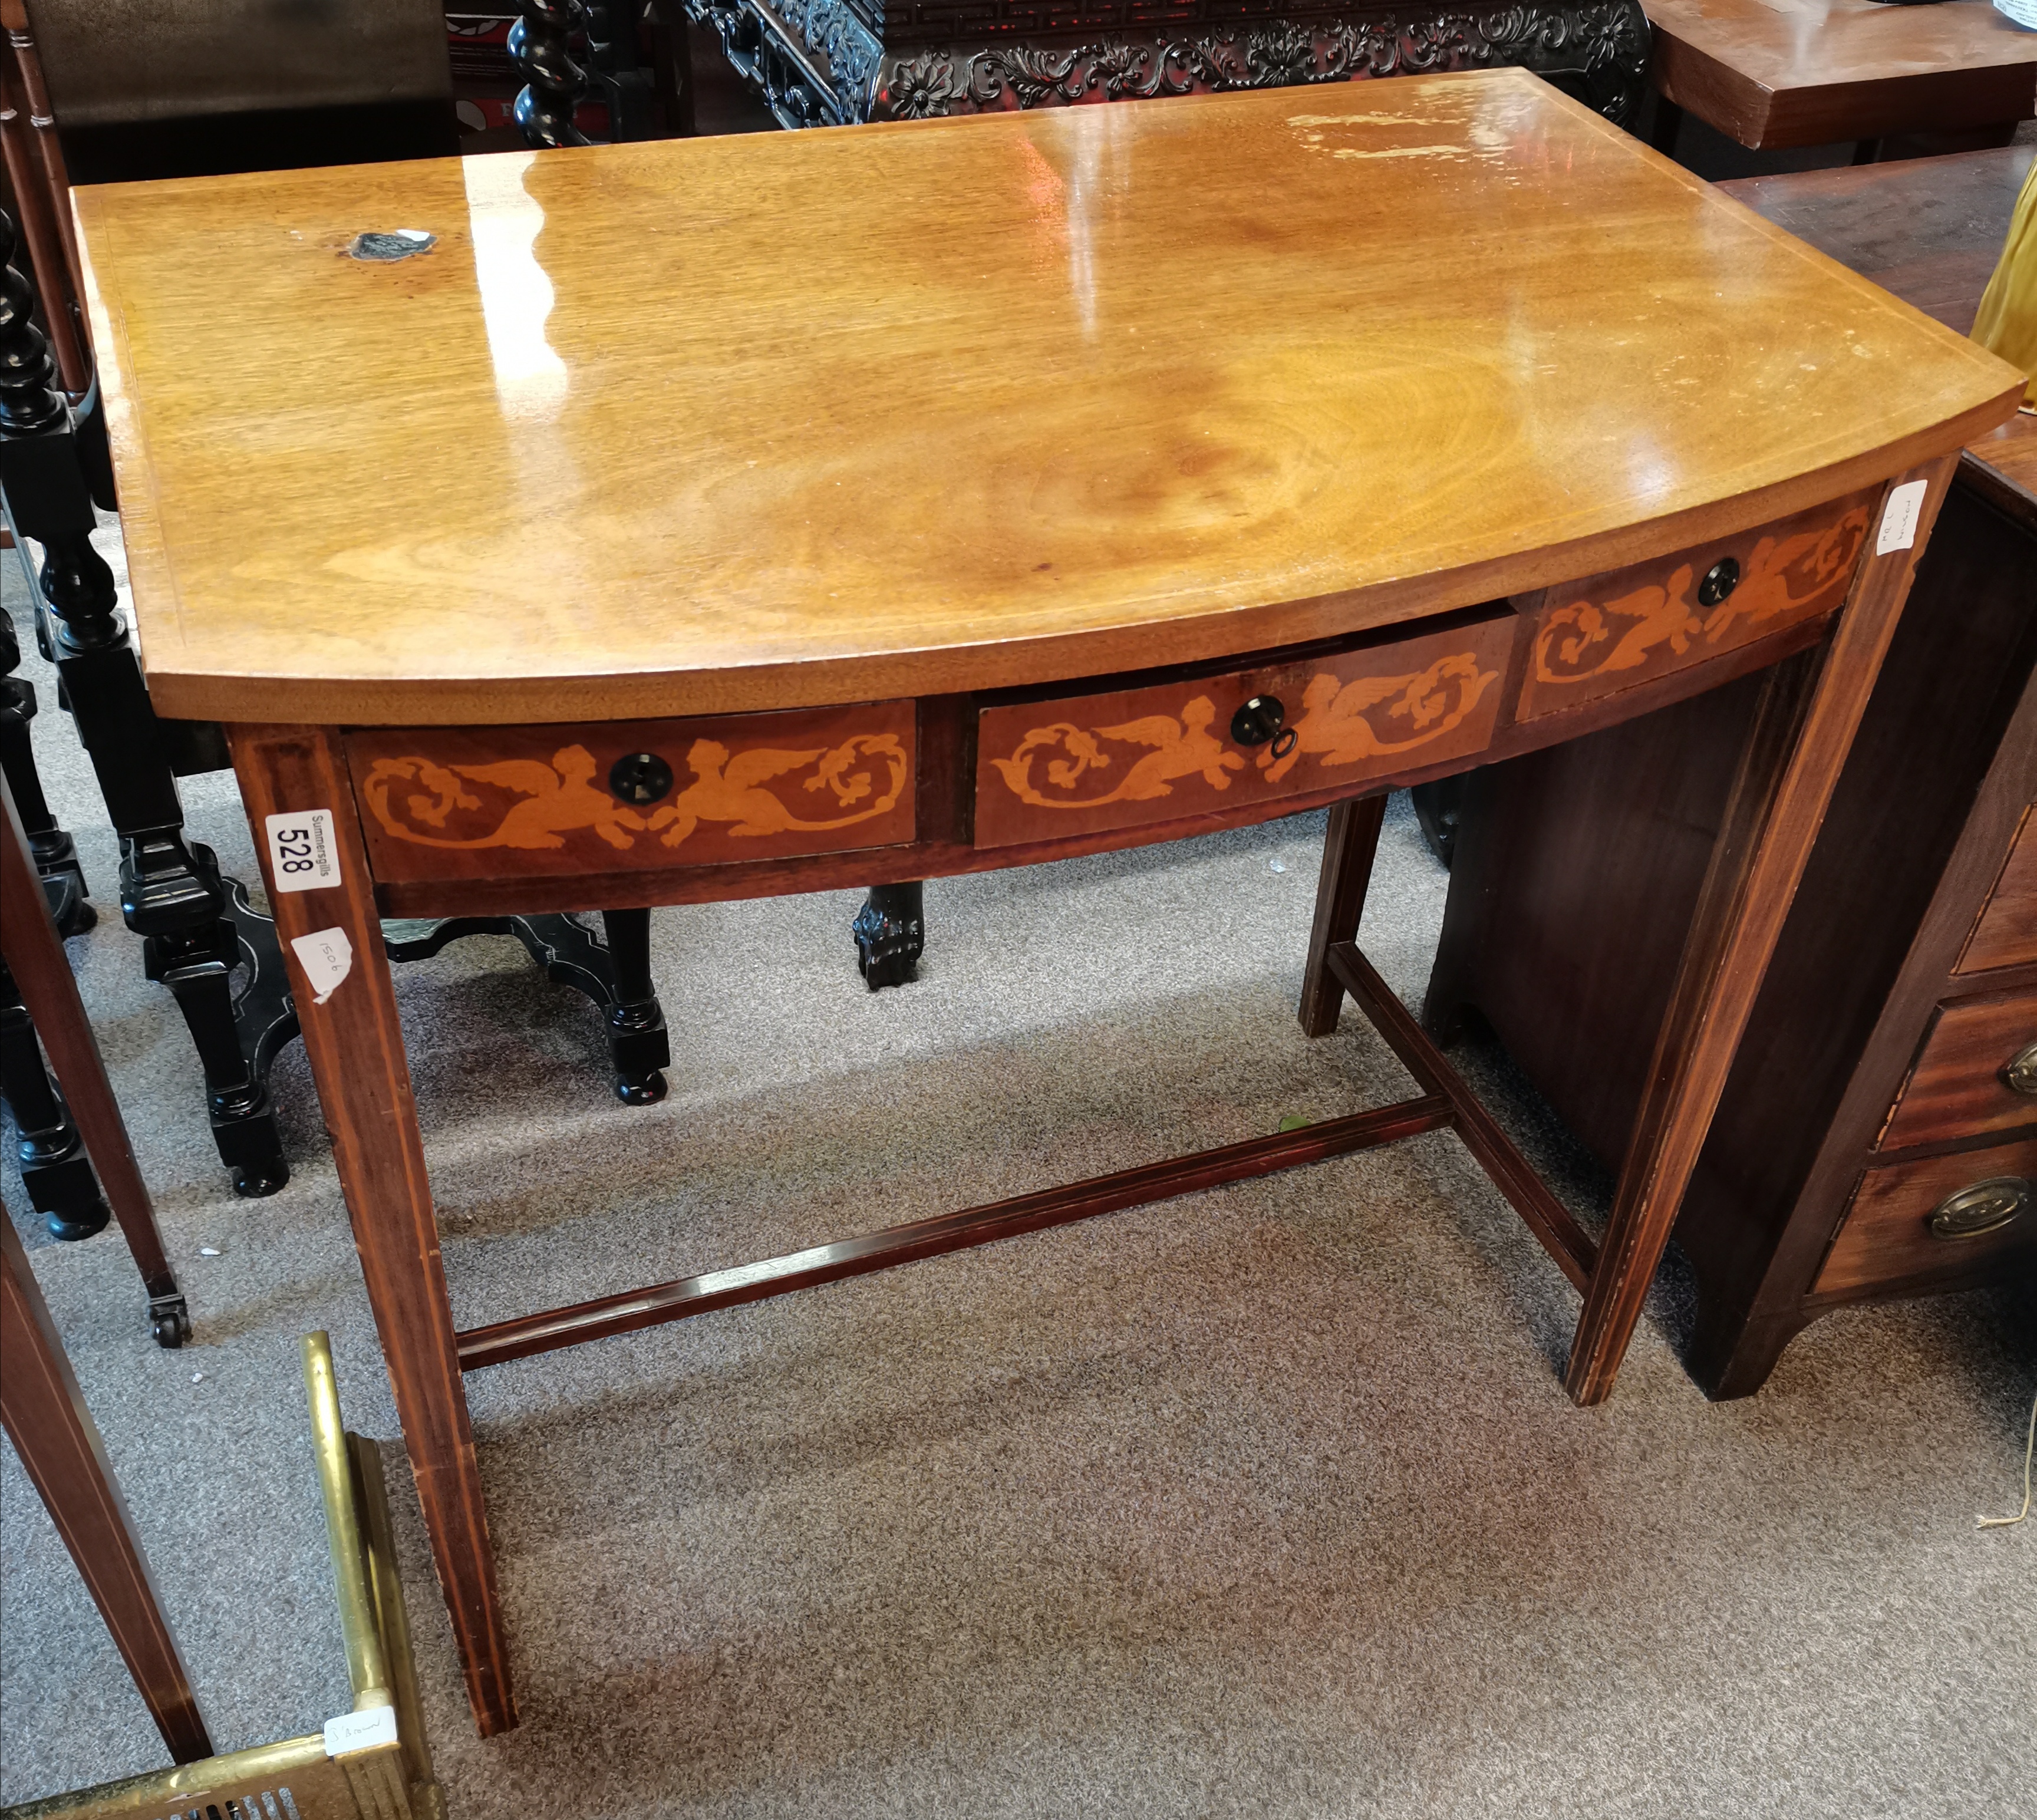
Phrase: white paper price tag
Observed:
(302, 855)
(327, 958)
(361, 1730)
(1898, 517)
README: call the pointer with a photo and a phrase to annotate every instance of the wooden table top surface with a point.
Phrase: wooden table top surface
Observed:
(702, 425)
(1930, 230)
(1807, 43)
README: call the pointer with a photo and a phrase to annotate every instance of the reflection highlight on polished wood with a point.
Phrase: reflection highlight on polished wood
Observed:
(911, 409)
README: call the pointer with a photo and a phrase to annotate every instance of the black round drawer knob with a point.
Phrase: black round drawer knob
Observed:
(642, 778)
(1984, 1207)
(1720, 580)
(1258, 720)
(2019, 1073)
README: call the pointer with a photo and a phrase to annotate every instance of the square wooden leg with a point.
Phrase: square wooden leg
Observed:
(355, 1043)
(1795, 750)
(1349, 848)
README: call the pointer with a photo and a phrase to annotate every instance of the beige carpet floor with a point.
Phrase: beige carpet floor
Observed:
(1263, 1501)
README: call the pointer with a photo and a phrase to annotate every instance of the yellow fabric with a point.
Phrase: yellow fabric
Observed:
(2008, 319)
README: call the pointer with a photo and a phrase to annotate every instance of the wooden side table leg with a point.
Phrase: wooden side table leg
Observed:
(1795, 749)
(355, 1042)
(1348, 849)
(59, 1446)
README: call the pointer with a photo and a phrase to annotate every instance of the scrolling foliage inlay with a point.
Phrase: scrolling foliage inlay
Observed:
(1051, 768)
(1635, 626)
(751, 793)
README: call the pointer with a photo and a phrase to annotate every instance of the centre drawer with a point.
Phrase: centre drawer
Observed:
(1047, 767)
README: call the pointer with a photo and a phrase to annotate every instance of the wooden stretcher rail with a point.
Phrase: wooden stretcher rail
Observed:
(879, 1251)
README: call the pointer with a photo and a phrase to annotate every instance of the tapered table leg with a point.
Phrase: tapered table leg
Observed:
(355, 1043)
(35, 958)
(1348, 850)
(1795, 749)
(59, 1446)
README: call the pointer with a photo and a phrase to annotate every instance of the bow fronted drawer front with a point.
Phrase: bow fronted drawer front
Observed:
(1120, 757)
(1596, 638)
(622, 795)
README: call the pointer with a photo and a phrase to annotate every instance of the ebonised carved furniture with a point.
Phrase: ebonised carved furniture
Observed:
(834, 62)
(1274, 516)
(204, 940)
(1878, 1135)
(41, 999)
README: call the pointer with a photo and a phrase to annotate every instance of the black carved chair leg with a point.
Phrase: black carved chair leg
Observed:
(197, 965)
(638, 1046)
(55, 1171)
(171, 892)
(890, 932)
(56, 858)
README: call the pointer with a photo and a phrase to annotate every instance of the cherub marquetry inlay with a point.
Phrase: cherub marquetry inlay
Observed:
(762, 796)
(1644, 624)
(1048, 769)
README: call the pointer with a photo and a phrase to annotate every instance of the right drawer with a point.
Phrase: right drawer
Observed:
(1944, 1214)
(1977, 1073)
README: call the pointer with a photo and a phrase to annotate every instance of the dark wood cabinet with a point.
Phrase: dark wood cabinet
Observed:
(1878, 1134)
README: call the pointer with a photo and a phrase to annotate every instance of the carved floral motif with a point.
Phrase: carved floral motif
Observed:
(417, 799)
(1597, 48)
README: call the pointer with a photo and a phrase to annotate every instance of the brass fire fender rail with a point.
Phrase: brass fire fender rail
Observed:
(1445, 1103)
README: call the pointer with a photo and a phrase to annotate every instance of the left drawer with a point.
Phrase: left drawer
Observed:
(468, 802)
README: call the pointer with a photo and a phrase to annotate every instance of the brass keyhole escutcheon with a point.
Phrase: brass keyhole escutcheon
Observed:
(2019, 1073)
(642, 778)
(1720, 580)
(1259, 721)
(1983, 1207)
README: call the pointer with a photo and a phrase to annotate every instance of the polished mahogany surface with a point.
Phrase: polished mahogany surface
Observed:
(703, 426)
(1781, 73)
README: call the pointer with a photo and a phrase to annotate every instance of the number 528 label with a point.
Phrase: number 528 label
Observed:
(302, 855)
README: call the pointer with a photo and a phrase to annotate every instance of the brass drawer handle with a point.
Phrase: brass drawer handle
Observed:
(2019, 1073)
(1981, 1207)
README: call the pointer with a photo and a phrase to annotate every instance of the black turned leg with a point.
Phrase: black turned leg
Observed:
(612, 966)
(540, 42)
(56, 858)
(637, 1044)
(890, 932)
(55, 1171)
(197, 964)
(171, 892)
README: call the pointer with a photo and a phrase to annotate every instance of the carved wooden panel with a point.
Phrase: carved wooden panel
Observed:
(1083, 764)
(1887, 1235)
(457, 802)
(1605, 635)
(1971, 1078)
(2006, 934)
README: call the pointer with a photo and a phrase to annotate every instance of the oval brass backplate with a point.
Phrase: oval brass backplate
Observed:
(2019, 1073)
(1980, 1207)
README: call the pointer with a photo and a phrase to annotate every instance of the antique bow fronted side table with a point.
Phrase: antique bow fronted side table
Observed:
(924, 500)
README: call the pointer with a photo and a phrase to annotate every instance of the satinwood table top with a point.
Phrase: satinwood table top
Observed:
(709, 425)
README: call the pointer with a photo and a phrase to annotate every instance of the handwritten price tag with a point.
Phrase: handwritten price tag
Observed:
(302, 855)
(361, 1730)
